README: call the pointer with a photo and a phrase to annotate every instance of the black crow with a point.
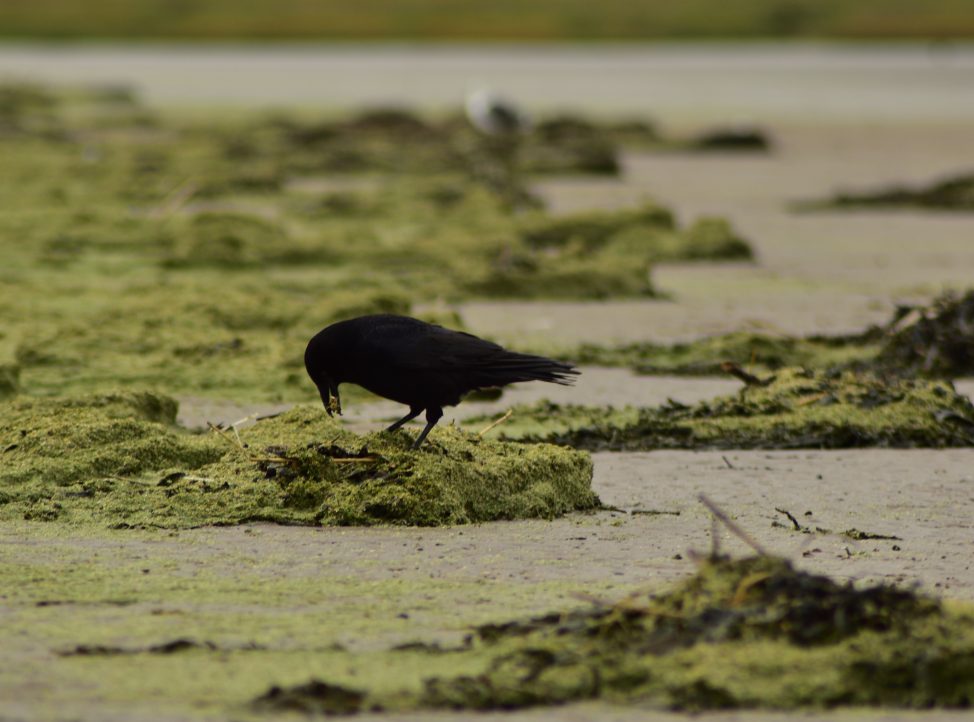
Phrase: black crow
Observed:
(419, 364)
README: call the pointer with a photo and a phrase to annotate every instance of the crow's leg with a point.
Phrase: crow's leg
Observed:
(433, 414)
(414, 411)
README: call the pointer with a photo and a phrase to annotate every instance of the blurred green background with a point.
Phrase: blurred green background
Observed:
(512, 20)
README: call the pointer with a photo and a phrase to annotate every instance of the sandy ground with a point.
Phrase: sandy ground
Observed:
(676, 82)
(924, 498)
(823, 272)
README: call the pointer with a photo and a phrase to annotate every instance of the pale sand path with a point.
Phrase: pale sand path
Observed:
(824, 272)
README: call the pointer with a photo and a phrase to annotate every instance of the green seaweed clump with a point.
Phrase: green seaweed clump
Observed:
(794, 409)
(26, 110)
(120, 460)
(731, 138)
(62, 453)
(757, 351)
(313, 698)
(649, 228)
(749, 633)
(935, 340)
(227, 240)
(594, 228)
(326, 475)
(928, 341)
(9, 380)
(952, 194)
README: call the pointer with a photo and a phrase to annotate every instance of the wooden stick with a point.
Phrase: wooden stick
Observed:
(225, 436)
(730, 524)
(750, 379)
(174, 200)
(496, 422)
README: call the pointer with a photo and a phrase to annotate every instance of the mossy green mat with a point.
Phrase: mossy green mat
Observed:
(753, 633)
(120, 461)
(934, 340)
(795, 409)
(705, 356)
(955, 193)
(198, 255)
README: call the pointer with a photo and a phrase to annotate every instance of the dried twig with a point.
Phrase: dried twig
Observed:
(225, 436)
(792, 519)
(496, 422)
(593, 599)
(749, 379)
(714, 537)
(721, 516)
(175, 199)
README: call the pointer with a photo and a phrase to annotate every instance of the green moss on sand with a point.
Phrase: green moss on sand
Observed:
(747, 138)
(119, 460)
(797, 409)
(756, 351)
(9, 380)
(951, 194)
(199, 256)
(753, 633)
(212, 617)
(650, 228)
(195, 335)
(934, 340)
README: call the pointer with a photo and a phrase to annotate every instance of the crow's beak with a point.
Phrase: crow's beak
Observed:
(328, 390)
(336, 400)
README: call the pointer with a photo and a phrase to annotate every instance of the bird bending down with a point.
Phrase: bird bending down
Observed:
(419, 364)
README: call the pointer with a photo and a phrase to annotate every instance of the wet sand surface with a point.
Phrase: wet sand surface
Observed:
(825, 272)
(454, 577)
(792, 82)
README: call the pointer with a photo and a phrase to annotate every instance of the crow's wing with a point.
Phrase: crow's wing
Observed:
(471, 361)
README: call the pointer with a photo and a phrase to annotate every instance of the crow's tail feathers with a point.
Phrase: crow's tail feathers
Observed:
(516, 367)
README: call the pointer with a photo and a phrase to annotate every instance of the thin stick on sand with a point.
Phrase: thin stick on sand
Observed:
(722, 517)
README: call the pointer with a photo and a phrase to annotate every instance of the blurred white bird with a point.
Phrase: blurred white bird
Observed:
(493, 115)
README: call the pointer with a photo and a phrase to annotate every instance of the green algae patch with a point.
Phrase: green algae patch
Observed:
(314, 698)
(9, 380)
(650, 228)
(67, 453)
(932, 340)
(951, 194)
(326, 475)
(731, 138)
(750, 633)
(198, 255)
(760, 352)
(190, 336)
(214, 617)
(794, 409)
(119, 460)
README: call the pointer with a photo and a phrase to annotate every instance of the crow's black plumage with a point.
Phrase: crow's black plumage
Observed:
(419, 364)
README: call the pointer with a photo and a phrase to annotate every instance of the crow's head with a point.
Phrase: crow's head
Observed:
(316, 363)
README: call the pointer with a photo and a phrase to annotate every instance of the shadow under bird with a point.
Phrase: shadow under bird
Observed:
(419, 364)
